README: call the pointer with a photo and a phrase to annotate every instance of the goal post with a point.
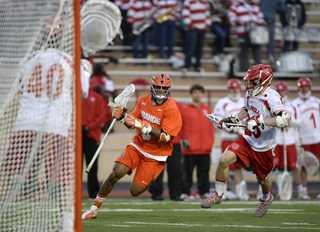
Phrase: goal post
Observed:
(40, 116)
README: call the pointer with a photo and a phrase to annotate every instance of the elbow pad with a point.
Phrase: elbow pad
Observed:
(282, 119)
(164, 137)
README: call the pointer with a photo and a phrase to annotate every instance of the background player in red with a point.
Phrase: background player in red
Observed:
(158, 121)
(232, 104)
(309, 129)
(282, 88)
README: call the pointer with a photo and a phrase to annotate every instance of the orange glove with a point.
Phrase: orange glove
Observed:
(139, 124)
(119, 113)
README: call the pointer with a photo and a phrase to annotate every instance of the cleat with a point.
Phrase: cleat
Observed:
(303, 195)
(263, 207)
(92, 213)
(185, 197)
(213, 200)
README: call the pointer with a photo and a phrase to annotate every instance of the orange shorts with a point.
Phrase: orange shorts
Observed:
(147, 169)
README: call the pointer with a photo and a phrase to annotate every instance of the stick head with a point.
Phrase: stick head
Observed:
(122, 99)
(214, 119)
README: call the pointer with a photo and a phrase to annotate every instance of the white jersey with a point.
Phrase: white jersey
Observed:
(225, 107)
(309, 130)
(46, 103)
(264, 104)
(295, 121)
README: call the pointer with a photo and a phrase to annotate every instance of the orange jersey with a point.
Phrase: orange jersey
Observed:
(166, 117)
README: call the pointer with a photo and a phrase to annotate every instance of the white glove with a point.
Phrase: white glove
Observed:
(254, 122)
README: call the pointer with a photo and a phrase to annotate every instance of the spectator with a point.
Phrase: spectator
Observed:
(282, 88)
(138, 12)
(220, 25)
(93, 117)
(124, 6)
(165, 24)
(294, 17)
(158, 121)
(196, 16)
(201, 141)
(100, 78)
(309, 133)
(270, 8)
(265, 111)
(173, 164)
(244, 15)
(225, 107)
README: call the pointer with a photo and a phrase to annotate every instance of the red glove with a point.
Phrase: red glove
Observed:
(135, 123)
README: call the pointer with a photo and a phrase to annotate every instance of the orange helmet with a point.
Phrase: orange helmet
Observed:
(304, 81)
(258, 77)
(160, 87)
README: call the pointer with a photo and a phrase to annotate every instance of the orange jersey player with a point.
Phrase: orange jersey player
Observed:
(158, 121)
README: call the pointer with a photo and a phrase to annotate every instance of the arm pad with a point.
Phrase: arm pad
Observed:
(282, 119)
(164, 137)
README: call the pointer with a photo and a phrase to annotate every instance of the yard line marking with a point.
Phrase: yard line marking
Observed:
(246, 210)
(141, 202)
(300, 224)
(201, 225)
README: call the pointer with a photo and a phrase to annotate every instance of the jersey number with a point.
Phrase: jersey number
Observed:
(53, 89)
(256, 132)
(314, 121)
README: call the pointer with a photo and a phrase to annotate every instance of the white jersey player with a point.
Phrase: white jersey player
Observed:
(309, 130)
(225, 107)
(282, 88)
(265, 111)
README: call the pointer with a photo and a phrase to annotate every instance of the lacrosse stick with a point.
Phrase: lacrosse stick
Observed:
(100, 23)
(121, 100)
(285, 182)
(309, 161)
(214, 119)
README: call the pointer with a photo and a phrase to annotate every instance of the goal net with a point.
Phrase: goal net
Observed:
(37, 115)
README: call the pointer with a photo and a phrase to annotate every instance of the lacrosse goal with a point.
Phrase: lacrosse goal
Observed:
(39, 63)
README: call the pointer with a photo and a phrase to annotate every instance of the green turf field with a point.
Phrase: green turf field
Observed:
(143, 214)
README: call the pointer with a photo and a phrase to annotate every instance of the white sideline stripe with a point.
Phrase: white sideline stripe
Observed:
(201, 225)
(138, 202)
(217, 210)
(299, 224)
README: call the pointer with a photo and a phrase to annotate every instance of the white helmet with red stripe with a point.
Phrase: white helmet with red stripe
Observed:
(304, 88)
(234, 87)
(282, 88)
(258, 77)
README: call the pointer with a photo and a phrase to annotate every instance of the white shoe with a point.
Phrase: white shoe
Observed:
(210, 201)
(92, 213)
(184, 196)
(318, 197)
(303, 195)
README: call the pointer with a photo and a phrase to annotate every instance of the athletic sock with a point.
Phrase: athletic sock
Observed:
(99, 200)
(299, 188)
(266, 196)
(304, 188)
(219, 184)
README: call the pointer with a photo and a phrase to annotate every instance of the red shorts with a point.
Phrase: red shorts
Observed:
(147, 169)
(314, 148)
(262, 162)
(224, 146)
(291, 156)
